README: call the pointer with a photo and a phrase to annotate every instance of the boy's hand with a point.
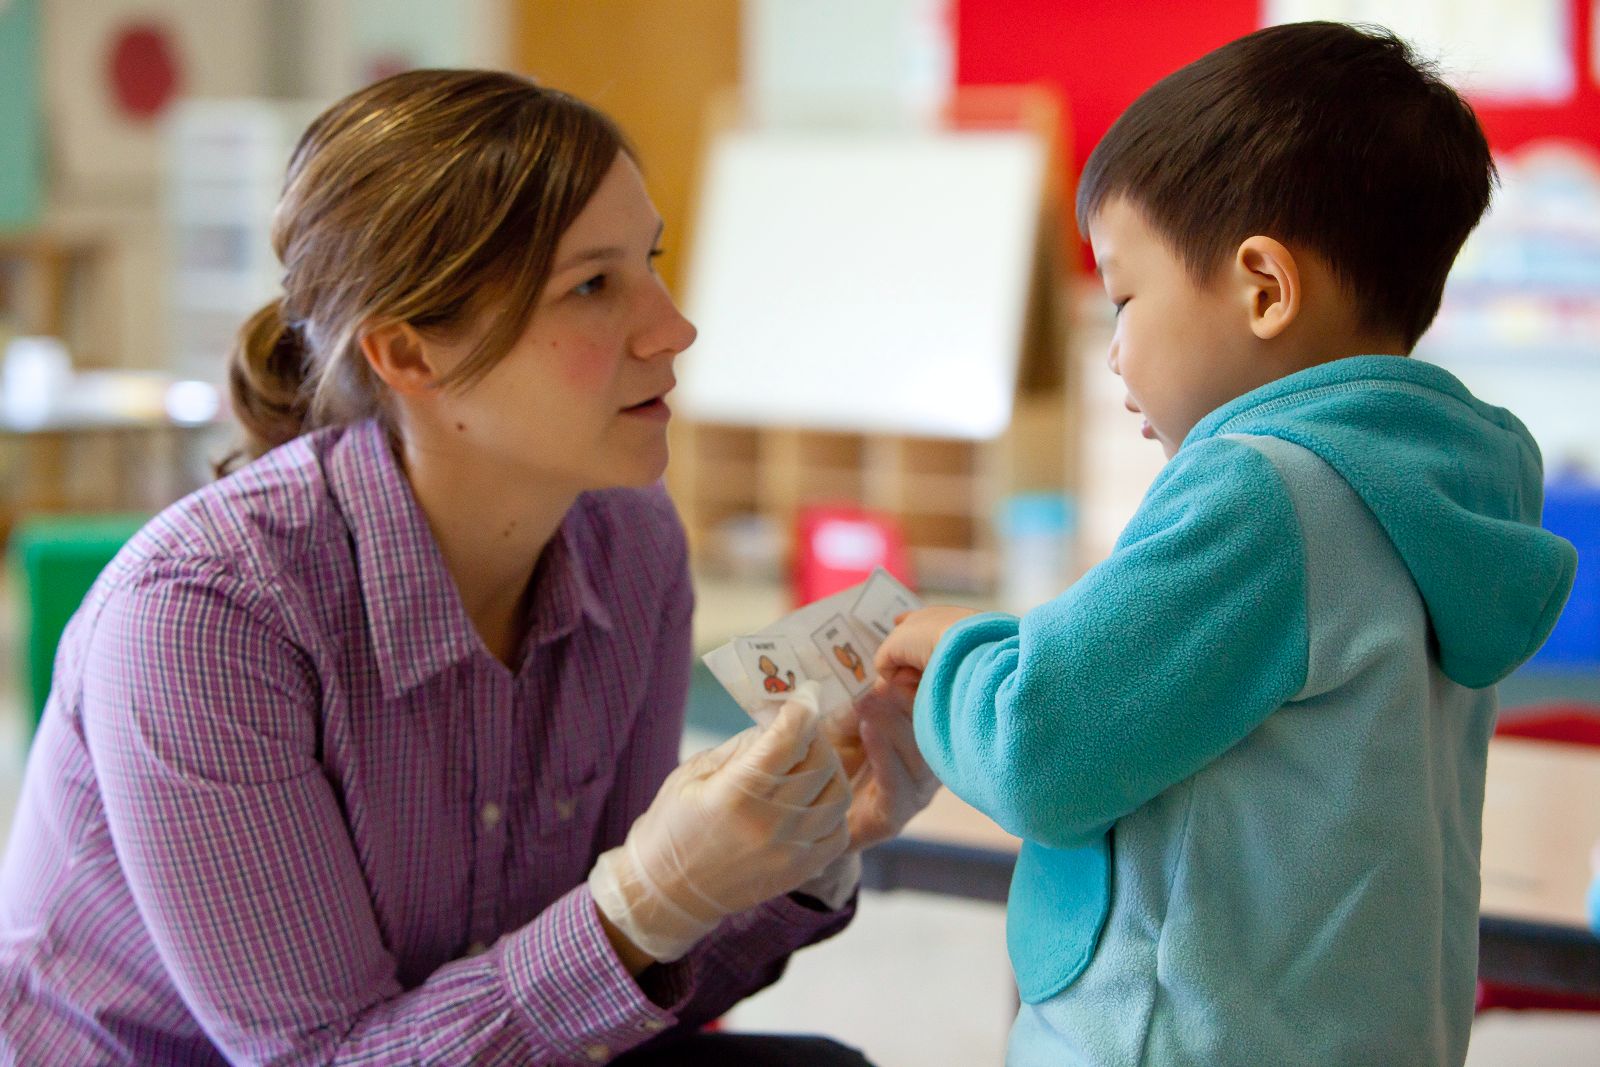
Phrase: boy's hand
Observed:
(916, 634)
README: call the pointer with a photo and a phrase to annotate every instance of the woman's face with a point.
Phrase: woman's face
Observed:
(578, 401)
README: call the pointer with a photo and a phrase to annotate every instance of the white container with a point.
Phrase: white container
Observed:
(33, 379)
(1036, 533)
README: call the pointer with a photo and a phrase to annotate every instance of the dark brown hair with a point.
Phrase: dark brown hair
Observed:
(434, 198)
(1333, 137)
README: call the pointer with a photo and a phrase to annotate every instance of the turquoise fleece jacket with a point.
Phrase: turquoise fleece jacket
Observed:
(1245, 753)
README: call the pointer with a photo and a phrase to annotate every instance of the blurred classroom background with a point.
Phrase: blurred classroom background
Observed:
(901, 357)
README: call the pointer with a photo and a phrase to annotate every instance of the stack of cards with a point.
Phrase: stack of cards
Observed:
(830, 642)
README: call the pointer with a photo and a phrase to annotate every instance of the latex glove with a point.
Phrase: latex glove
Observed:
(733, 826)
(894, 782)
(890, 781)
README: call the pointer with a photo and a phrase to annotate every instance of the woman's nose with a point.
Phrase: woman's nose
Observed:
(668, 332)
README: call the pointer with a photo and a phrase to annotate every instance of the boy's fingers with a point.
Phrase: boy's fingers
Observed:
(887, 658)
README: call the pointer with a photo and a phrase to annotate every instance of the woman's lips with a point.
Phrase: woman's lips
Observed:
(655, 408)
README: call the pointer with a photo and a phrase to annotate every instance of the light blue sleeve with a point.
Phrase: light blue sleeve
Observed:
(1151, 666)
(1594, 903)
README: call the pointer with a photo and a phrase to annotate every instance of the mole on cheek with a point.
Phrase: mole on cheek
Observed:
(461, 426)
(512, 525)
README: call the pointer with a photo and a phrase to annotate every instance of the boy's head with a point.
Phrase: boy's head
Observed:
(1310, 183)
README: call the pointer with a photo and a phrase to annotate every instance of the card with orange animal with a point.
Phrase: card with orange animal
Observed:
(830, 642)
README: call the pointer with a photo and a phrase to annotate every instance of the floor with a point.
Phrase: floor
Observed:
(918, 979)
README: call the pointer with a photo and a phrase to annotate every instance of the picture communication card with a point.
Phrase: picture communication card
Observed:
(830, 642)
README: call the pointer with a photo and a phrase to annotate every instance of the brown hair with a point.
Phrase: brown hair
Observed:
(425, 198)
(1334, 136)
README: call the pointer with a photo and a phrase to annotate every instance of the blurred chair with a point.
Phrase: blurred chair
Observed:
(837, 546)
(55, 559)
(1573, 724)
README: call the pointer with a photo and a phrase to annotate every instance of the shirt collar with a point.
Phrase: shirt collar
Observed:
(415, 618)
(563, 590)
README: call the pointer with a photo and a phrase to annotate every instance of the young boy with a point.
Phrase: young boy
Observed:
(1246, 752)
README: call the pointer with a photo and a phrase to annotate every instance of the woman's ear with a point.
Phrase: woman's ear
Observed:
(401, 358)
(1271, 282)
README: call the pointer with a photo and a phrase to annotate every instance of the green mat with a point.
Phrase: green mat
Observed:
(55, 559)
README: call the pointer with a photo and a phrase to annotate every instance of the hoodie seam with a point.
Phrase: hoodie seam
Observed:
(1291, 490)
(1410, 388)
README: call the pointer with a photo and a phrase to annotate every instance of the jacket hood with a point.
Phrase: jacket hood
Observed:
(1456, 483)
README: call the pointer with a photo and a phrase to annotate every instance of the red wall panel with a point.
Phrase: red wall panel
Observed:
(1100, 54)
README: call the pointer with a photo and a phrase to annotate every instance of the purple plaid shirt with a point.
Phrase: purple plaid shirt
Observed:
(285, 807)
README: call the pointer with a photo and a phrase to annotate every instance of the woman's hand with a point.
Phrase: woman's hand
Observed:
(889, 779)
(891, 782)
(736, 825)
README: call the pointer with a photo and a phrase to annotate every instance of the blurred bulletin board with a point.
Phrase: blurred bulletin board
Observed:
(867, 282)
(113, 68)
(21, 161)
(395, 35)
(1520, 321)
(1506, 50)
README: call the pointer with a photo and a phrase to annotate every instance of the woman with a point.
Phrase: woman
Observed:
(362, 754)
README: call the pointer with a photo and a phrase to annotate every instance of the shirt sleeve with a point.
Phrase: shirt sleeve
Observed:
(1151, 666)
(201, 714)
(746, 952)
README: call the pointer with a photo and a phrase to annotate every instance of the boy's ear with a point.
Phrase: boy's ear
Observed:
(1271, 281)
(398, 355)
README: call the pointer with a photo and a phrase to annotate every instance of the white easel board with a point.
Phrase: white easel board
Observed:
(871, 282)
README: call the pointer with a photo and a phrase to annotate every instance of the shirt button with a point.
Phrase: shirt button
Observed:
(564, 809)
(490, 814)
(597, 1053)
(477, 948)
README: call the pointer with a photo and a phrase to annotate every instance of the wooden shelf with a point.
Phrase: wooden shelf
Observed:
(42, 278)
(942, 493)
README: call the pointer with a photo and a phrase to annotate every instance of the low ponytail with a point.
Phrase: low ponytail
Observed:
(267, 384)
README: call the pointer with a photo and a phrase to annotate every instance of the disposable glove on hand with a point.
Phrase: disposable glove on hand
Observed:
(892, 781)
(733, 826)
(889, 780)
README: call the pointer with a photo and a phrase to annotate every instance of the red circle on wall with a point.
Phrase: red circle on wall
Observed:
(144, 70)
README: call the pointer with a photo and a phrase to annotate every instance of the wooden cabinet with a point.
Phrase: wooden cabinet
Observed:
(42, 278)
(652, 66)
(943, 492)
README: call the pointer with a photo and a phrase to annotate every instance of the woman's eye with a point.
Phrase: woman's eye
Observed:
(1119, 305)
(592, 286)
